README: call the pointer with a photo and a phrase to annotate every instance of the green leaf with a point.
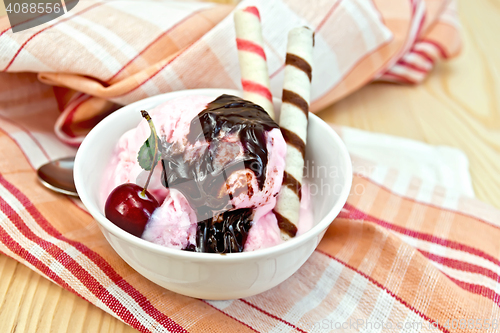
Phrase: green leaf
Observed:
(147, 153)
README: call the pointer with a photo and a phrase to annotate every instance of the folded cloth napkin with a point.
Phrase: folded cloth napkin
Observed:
(102, 54)
(407, 253)
(441, 166)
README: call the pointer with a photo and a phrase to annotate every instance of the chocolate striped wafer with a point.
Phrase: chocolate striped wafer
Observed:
(293, 123)
(252, 58)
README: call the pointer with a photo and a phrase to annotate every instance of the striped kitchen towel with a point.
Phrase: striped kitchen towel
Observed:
(406, 254)
(102, 54)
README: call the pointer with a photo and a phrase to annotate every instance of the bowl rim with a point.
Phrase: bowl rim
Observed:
(110, 227)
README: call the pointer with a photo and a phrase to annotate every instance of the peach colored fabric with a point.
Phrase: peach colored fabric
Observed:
(388, 260)
(103, 54)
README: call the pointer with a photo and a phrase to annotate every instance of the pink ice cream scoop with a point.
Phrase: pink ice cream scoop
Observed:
(221, 168)
(171, 120)
(173, 224)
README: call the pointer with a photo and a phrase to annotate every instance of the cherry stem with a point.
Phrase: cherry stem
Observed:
(146, 116)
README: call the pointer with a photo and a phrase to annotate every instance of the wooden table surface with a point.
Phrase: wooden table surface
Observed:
(458, 105)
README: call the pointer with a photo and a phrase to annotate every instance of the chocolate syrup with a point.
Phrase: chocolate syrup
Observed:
(233, 115)
(200, 174)
(225, 233)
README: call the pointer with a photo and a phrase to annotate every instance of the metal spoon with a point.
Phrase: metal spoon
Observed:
(57, 175)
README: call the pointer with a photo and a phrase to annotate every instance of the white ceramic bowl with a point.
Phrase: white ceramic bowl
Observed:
(208, 275)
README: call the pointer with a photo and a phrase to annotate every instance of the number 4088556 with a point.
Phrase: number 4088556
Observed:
(40, 8)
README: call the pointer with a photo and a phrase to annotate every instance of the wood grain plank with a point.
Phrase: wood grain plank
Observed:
(31, 303)
(458, 105)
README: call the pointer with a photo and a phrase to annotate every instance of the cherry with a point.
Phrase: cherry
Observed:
(130, 207)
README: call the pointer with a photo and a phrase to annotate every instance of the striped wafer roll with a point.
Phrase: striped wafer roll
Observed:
(293, 123)
(253, 65)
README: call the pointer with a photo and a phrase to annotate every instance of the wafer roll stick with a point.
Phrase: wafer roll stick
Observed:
(252, 58)
(293, 123)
